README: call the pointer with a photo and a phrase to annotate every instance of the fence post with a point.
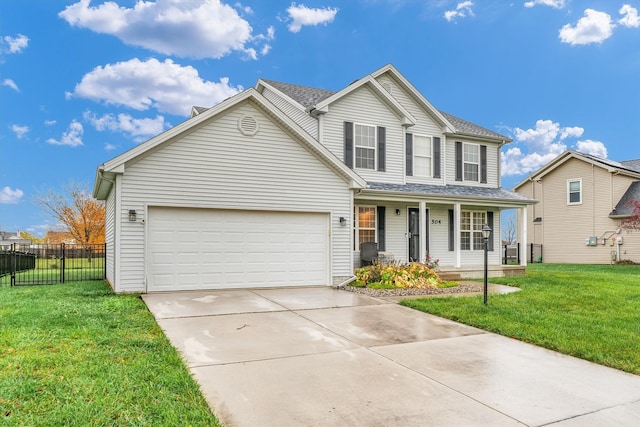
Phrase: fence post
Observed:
(104, 261)
(62, 261)
(518, 252)
(13, 264)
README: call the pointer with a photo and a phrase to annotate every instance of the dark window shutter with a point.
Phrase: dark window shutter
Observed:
(458, 161)
(381, 228)
(436, 157)
(348, 144)
(382, 142)
(452, 231)
(490, 224)
(483, 164)
(409, 154)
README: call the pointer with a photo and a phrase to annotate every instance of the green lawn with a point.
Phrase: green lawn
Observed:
(588, 311)
(75, 354)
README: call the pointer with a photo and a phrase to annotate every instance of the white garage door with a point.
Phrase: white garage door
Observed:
(193, 249)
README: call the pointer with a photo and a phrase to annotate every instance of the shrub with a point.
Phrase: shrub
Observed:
(397, 275)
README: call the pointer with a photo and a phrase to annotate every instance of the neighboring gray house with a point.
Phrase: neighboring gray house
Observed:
(281, 184)
(8, 238)
(582, 199)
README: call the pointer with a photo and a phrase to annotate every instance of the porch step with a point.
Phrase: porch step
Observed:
(449, 276)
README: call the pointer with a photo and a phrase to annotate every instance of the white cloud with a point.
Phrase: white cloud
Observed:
(16, 44)
(20, 131)
(10, 83)
(110, 147)
(462, 10)
(543, 143)
(49, 122)
(593, 27)
(595, 148)
(556, 4)
(630, 17)
(141, 85)
(139, 129)
(72, 137)
(9, 196)
(302, 15)
(195, 28)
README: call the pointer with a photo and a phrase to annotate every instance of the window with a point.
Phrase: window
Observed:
(471, 224)
(421, 155)
(365, 225)
(365, 145)
(574, 191)
(471, 160)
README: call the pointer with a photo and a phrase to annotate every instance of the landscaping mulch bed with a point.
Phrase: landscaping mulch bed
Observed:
(463, 287)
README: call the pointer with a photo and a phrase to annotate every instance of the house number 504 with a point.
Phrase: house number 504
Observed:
(436, 221)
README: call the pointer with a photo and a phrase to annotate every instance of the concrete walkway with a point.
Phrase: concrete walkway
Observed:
(323, 357)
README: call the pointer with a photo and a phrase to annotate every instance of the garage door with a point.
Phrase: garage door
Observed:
(193, 249)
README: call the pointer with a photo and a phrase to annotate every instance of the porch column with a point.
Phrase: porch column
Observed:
(456, 235)
(422, 211)
(523, 237)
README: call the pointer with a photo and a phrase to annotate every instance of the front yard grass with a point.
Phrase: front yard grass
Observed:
(587, 311)
(75, 354)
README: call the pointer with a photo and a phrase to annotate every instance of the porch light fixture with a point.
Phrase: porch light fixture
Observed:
(486, 232)
(132, 215)
(397, 211)
(343, 221)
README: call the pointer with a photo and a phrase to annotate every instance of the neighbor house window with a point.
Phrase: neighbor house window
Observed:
(471, 159)
(574, 191)
(422, 155)
(364, 225)
(471, 223)
(365, 146)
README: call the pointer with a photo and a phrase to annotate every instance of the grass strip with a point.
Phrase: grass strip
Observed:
(75, 354)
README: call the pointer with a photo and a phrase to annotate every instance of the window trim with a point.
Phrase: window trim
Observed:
(416, 171)
(374, 148)
(465, 162)
(356, 224)
(569, 181)
(471, 230)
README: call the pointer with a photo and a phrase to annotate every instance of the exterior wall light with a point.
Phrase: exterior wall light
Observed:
(132, 215)
(343, 221)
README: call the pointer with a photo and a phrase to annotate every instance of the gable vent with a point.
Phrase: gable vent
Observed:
(387, 87)
(248, 125)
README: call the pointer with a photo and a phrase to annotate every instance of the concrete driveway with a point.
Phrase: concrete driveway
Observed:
(324, 357)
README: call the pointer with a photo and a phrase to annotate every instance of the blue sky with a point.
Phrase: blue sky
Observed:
(83, 81)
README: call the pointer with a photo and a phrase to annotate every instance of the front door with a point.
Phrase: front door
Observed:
(414, 233)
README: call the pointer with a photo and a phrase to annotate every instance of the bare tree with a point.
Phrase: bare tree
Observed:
(633, 221)
(510, 231)
(75, 208)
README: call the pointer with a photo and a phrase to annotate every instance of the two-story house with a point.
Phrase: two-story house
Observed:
(281, 184)
(582, 199)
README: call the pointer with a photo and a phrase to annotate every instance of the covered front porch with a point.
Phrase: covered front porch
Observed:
(444, 227)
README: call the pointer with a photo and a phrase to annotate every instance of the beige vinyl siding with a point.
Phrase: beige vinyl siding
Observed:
(110, 206)
(567, 227)
(215, 166)
(493, 161)
(362, 106)
(425, 124)
(301, 117)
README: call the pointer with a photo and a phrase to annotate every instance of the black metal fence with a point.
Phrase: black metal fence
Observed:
(51, 264)
(511, 253)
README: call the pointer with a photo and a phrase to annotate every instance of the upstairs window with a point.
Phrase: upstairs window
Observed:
(365, 146)
(422, 155)
(574, 191)
(471, 162)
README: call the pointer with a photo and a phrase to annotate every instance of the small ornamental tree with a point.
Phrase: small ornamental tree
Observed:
(633, 221)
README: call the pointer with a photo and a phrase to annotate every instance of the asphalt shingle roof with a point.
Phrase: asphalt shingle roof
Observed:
(625, 206)
(308, 97)
(450, 191)
(631, 164)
